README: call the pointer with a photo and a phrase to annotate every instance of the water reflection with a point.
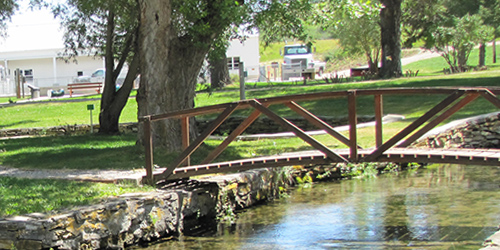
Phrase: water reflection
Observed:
(436, 208)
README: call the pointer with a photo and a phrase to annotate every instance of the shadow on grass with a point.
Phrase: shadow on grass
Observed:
(72, 152)
(17, 123)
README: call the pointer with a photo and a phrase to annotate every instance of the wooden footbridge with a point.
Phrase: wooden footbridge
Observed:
(395, 149)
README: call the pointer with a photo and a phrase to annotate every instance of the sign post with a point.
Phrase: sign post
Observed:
(242, 81)
(91, 107)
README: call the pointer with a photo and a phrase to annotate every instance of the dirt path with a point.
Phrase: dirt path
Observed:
(422, 55)
(111, 176)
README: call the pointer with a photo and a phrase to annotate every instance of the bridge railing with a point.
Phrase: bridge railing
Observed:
(456, 99)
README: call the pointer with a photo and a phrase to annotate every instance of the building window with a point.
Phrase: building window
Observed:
(79, 73)
(233, 63)
(28, 75)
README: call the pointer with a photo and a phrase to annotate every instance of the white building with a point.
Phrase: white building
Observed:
(34, 45)
(44, 68)
(246, 51)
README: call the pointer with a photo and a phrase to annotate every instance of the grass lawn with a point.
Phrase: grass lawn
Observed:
(18, 196)
(23, 196)
(436, 65)
(120, 152)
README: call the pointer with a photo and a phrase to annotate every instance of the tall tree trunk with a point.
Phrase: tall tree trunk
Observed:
(482, 55)
(462, 60)
(495, 50)
(113, 101)
(169, 70)
(219, 72)
(390, 23)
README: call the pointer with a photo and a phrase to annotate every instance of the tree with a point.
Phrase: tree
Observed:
(175, 37)
(435, 22)
(219, 72)
(390, 29)
(490, 13)
(420, 18)
(109, 29)
(356, 24)
(217, 61)
(7, 9)
(456, 42)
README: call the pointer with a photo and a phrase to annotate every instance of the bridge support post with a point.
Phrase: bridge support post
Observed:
(148, 148)
(353, 124)
(379, 112)
(185, 138)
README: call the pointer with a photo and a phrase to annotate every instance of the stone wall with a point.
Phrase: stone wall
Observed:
(476, 132)
(134, 218)
(62, 130)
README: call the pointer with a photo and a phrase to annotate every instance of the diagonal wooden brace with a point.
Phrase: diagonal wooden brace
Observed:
(452, 110)
(198, 141)
(318, 122)
(299, 132)
(244, 125)
(417, 123)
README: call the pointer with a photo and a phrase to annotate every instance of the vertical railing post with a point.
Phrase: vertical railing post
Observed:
(185, 138)
(148, 148)
(379, 112)
(353, 123)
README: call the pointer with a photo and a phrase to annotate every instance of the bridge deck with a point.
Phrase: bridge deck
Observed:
(489, 157)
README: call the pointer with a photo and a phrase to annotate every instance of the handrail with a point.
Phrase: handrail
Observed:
(205, 110)
(456, 99)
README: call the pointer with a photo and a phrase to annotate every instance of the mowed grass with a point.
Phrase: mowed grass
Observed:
(435, 66)
(48, 114)
(24, 196)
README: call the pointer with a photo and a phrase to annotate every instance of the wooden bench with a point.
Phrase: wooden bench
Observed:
(86, 85)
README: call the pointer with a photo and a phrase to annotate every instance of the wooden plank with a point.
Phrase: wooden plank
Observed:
(318, 122)
(198, 141)
(417, 123)
(445, 115)
(185, 138)
(424, 155)
(316, 96)
(379, 113)
(353, 126)
(291, 127)
(193, 112)
(148, 148)
(225, 168)
(488, 95)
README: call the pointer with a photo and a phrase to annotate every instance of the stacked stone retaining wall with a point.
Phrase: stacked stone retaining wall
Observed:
(476, 132)
(134, 218)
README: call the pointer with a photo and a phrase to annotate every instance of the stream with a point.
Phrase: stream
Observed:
(437, 207)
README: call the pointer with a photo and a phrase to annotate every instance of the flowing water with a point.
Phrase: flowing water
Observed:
(446, 207)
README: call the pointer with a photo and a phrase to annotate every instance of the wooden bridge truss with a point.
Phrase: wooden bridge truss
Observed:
(394, 149)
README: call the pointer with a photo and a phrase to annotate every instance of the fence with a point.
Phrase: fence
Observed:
(456, 99)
